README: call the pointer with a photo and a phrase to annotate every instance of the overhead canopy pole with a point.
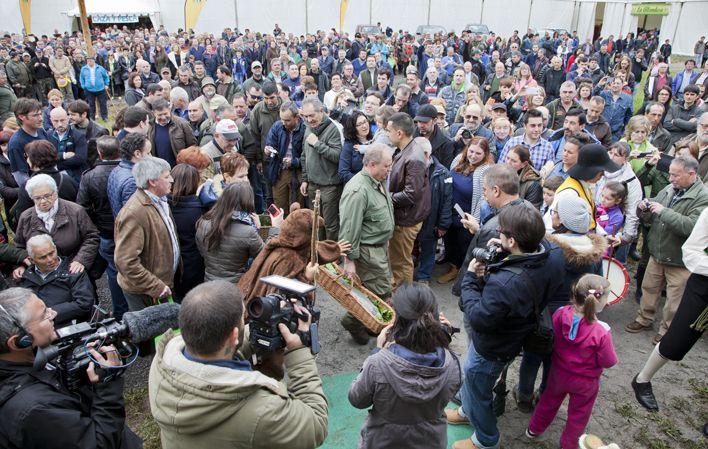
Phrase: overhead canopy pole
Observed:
(85, 29)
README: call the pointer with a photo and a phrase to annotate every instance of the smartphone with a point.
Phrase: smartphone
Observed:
(459, 210)
(644, 154)
(273, 210)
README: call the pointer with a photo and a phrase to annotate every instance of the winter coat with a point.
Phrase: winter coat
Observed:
(530, 186)
(499, 306)
(278, 139)
(181, 135)
(9, 190)
(670, 229)
(65, 183)
(74, 142)
(92, 132)
(93, 196)
(409, 186)
(69, 295)
(678, 120)
(7, 101)
(350, 162)
(454, 99)
(635, 194)
(440, 216)
(92, 418)
(406, 394)
(202, 406)
(587, 353)
(121, 186)
(74, 235)
(239, 243)
(582, 255)
(320, 162)
(133, 96)
(186, 213)
(144, 255)
(443, 148)
(262, 119)
(100, 82)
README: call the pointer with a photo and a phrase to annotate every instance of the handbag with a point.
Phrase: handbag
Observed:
(540, 340)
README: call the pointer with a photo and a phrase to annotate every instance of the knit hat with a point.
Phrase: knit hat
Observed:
(573, 212)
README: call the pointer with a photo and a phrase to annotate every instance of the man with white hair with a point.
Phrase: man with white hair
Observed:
(179, 99)
(69, 294)
(147, 250)
(148, 77)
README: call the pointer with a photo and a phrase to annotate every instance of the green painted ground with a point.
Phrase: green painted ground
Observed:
(345, 421)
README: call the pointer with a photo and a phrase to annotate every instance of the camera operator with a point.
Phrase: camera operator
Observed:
(203, 394)
(498, 301)
(36, 410)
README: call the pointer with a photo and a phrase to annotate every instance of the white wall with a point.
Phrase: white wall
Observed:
(11, 17)
(503, 17)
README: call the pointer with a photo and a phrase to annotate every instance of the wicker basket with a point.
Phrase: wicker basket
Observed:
(343, 295)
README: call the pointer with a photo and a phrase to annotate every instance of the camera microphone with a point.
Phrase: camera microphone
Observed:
(152, 321)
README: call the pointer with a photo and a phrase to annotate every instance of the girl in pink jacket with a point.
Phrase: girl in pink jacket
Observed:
(582, 349)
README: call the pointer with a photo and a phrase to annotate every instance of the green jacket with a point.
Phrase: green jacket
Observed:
(11, 254)
(320, 162)
(7, 101)
(650, 177)
(262, 120)
(18, 73)
(369, 213)
(670, 229)
(204, 406)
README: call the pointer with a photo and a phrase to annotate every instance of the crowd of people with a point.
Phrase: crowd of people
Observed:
(517, 162)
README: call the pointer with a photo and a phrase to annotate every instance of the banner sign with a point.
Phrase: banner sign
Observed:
(114, 18)
(651, 9)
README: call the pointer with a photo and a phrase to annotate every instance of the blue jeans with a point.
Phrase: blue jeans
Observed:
(106, 249)
(480, 376)
(428, 244)
(258, 188)
(530, 363)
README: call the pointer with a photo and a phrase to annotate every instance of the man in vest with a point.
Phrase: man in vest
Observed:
(593, 162)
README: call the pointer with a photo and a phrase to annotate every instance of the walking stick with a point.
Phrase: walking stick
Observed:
(314, 236)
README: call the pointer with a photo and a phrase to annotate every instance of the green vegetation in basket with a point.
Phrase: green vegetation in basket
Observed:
(265, 220)
(374, 307)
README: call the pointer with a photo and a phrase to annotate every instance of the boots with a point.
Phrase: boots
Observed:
(450, 275)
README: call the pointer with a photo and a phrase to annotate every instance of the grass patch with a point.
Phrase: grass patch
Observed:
(650, 442)
(137, 409)
(626, 411)
(700, 387)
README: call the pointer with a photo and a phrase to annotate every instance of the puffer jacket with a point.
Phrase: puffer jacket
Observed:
(670, 229)
(407, 393)
(583, 255)
(205, 406)
(440, 216)
(93, 196)
(121, 186)
(229, 260)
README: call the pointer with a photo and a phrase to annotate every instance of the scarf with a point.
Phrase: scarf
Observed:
(322, 126)
(48, 217)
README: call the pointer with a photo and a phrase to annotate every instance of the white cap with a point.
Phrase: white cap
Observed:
(228, 129)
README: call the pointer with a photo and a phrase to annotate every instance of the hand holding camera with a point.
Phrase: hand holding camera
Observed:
(293, 340)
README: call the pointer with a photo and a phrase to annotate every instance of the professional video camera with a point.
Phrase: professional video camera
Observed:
(70, 356)
(488, 255)
(266, 312)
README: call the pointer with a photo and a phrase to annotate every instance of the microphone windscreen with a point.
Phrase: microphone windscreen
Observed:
(152, 321)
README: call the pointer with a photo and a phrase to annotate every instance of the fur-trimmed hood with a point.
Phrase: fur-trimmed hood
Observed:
(580, 249)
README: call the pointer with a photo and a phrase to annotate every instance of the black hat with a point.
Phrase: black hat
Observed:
(498, 106)
(592, 159)
(426, 113)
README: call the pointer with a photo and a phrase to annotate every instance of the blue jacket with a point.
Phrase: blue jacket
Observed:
(121, 186)
(101, 79)
(617, 113)
(440, 216)
(278, 139)
(74, 142)
(557, 139)
(350, 161)
(499, 305)
(678, 80)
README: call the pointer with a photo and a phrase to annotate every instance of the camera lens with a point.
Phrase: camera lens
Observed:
(261, 308)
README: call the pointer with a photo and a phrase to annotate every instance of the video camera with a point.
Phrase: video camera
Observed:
(266, 312)
(70, 355)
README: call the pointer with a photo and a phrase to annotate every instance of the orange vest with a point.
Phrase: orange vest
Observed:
(583, 193)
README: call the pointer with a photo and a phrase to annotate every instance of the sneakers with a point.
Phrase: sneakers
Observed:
(530, 435)
(454, 418)
(645, 395)
(588, 441)
(451, 275)
(635, 327)
(525, 406)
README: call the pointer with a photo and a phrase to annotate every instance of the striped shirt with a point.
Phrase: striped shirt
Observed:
(541, 152)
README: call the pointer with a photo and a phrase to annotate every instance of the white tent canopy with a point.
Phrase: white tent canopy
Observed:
(685, 22)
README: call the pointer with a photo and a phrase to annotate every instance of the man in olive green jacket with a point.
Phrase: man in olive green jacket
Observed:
(204, 396)
(672, 214)
(7, 98)
(321, 148)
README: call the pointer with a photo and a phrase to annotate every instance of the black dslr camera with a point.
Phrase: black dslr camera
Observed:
(488, 255)
(266, 312)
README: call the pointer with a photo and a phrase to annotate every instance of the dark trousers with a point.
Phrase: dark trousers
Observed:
(91, 98)
(680, 337)
(120, 306)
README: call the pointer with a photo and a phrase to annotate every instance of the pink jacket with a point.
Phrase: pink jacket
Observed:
(589, 352)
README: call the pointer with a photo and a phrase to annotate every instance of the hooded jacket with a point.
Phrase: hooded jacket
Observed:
(407, 393)
(205, 406)
(530, 186)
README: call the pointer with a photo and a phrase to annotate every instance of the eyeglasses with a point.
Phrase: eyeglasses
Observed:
(46, 197)
(474, 117)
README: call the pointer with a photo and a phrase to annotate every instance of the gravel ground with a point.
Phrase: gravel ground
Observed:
(681, 388)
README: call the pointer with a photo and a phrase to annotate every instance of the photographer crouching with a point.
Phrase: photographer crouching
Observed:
(203, 393)
(498, 295)
(36, 409)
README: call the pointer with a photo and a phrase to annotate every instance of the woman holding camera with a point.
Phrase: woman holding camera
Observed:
(410, 378)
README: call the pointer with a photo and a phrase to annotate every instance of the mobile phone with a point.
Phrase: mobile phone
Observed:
(273, 210)
(459, 210)
(644, 154)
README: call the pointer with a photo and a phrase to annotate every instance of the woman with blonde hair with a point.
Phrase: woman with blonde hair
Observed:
(636, 135)
(56, 100)
(524, 78)
(473, 97)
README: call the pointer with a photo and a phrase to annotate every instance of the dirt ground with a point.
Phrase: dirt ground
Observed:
(681, 388)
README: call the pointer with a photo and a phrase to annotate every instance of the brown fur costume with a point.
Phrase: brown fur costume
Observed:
(287, 255)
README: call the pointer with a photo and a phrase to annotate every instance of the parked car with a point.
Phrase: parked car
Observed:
(368, 30)
(430, 29)
(477, 28)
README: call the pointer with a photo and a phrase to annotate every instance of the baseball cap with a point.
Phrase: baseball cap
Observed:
(228, 129)
(440, 109)
(426, 113)
(256, 64)
(497, 106)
